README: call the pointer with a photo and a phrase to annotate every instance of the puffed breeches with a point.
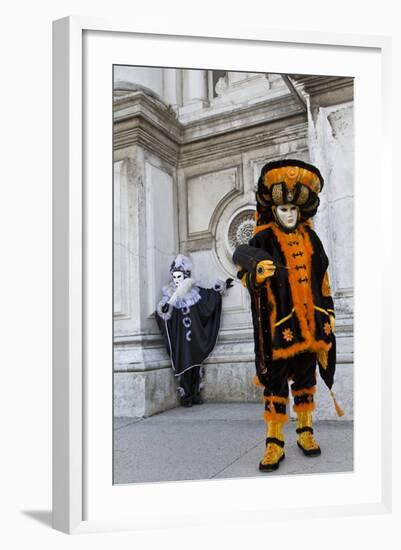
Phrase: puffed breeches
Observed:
(300, 370)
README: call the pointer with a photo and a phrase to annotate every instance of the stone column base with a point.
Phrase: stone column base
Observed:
(142, 394)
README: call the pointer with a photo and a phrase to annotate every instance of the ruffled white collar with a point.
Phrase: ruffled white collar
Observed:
(190, 297)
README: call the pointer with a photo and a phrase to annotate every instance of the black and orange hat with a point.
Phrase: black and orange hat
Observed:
(289, 181)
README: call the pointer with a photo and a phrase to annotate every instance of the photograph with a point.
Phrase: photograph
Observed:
(233, 274)
(199, 214)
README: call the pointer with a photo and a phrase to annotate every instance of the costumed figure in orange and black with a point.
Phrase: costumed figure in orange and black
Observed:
(284, 267)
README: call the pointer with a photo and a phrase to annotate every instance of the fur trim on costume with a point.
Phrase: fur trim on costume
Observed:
(260, 228)
(220, 286)
(186, 295)
(184, 288)
(305, 391)
(291, 171)
(165, 316)
(275, 417)
(318, 345)
(304, 407)
(297, 289)
(257, 382)
(300, 297)
(276, 399)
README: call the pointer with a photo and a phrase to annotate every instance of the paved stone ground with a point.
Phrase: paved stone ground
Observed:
(218, 441)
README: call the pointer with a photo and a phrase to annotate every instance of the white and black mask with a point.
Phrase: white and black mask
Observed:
(287, 215)
(178, 278)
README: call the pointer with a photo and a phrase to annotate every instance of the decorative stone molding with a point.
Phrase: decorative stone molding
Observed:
(121, 244)
(235, 227)
(242, 140)
(326, 90)
(236, 88)
(161, 241)
(241, 229)
(145, 120)
(239, 118)
(195, 92)
(205, 200)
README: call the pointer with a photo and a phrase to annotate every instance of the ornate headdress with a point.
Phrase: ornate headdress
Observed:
(183, 264)
(288, 181)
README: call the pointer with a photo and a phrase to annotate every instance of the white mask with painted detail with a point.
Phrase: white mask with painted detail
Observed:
(178, 278)
(288, 215)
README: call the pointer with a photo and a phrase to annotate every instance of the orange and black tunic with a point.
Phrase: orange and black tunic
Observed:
(291, 311)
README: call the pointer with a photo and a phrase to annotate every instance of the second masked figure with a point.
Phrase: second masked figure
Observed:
(189, 319)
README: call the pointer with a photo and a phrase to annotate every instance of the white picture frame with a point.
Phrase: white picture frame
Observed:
(83, 497)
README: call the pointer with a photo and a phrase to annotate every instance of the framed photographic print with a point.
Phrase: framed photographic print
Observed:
(172, 152)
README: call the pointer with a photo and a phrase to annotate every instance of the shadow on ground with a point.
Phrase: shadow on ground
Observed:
(41, 516)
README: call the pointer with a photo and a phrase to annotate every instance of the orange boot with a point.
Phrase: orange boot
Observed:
(275, 416)
(303, 406)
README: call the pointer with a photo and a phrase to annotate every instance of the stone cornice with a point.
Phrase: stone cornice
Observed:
(145, 120)
(317, 84)
(140, 131)
(326, 90)
(139, 103)
(236, 142)
(241, 118)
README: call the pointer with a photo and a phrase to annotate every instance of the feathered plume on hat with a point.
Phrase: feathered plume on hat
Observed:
(183, 264)
(288, 181)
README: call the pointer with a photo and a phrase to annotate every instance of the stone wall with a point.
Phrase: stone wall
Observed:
(185, 177)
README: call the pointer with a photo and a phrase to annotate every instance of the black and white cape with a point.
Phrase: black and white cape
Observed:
(191, 324)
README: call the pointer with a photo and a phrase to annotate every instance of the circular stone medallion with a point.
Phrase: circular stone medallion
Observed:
(241, 229)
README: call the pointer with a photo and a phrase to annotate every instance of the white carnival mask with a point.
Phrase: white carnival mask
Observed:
(178, 278)
(288, 215)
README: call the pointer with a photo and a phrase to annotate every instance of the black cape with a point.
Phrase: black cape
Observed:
(264, 245)
(190, 333)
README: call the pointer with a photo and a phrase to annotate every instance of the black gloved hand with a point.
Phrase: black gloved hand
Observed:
(165, 308)
(229, 283)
